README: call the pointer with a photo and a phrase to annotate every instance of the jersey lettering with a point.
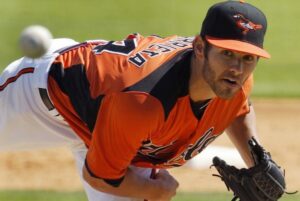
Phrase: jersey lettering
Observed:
(199, 146)
(164, 48)
(193, 149)
(157, 49)
(137, 60)
(151, 149)
(124, 47)
(150, 53)
(179, 44)
(159, 152)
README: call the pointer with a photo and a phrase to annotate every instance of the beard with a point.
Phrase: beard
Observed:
(218, 85)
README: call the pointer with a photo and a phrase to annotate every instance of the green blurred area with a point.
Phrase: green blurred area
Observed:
(114, 19)
(80, 196)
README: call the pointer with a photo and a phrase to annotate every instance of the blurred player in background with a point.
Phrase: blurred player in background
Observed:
(125, 107)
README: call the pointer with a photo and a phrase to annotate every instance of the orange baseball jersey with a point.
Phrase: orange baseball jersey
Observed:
(128, 101)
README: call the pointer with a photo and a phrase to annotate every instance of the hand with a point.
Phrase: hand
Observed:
(264, 181)
(166, 186)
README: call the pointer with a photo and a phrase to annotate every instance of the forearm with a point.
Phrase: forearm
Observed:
(240, 132)
(133, 185)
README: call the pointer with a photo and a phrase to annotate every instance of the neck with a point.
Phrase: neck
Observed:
(199, 90)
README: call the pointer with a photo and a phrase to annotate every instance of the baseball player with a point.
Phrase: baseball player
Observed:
(125, 107)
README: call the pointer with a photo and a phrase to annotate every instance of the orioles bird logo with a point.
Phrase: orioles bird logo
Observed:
(245, 24)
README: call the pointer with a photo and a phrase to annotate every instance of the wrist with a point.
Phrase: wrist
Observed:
(153, 189)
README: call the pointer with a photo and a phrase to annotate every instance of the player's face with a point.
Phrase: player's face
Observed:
(225, 71)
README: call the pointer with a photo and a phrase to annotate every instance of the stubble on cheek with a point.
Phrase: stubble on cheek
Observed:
(217, 85)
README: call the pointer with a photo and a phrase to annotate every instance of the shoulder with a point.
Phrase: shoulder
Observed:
(60, 43)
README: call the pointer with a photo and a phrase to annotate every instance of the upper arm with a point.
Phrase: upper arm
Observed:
(96, 183)
(124, 121)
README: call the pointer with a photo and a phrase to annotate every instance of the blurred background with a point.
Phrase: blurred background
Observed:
(114, 19)
(276, 92)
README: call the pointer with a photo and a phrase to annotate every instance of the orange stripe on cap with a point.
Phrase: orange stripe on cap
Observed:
(239, 46)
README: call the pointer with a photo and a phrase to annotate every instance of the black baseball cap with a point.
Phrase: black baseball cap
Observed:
(237, 26)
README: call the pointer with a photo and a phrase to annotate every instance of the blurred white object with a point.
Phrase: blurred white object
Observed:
(204, 159)
(35, 41)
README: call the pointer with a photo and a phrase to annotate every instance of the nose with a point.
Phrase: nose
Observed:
(236, 66)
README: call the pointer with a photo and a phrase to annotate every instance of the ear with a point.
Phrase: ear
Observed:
(198, 46)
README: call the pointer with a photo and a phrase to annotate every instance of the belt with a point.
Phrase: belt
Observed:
(49, 105)
(45, 98)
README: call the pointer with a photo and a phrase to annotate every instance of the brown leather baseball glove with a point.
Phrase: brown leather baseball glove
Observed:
(263, 182)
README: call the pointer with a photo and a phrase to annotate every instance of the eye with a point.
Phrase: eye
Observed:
(227, 53)
(249, 58)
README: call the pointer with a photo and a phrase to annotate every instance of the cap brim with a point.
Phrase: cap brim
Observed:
(239, 46)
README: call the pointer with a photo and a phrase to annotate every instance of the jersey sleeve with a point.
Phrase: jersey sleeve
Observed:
(124, 121)
(247, 88)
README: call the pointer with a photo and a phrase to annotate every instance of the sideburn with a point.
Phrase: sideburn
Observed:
(206, 49)
(208, 74)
